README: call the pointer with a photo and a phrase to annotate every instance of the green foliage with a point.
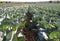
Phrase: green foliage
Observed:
(22, 25)
(20, 39)
(47, 16)
(54, 35)
(49, 26)
(9, 34)
(15, 38)
(5, 27)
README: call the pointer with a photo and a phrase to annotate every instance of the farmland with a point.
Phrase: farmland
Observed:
(47, 15)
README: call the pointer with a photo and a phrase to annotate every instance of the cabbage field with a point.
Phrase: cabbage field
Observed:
(47, 16)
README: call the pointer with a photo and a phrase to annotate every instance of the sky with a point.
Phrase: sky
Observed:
(25, 0)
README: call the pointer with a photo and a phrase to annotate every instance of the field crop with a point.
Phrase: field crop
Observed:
(47, 15)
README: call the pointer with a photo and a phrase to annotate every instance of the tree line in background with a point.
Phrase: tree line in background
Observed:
(31, 2)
